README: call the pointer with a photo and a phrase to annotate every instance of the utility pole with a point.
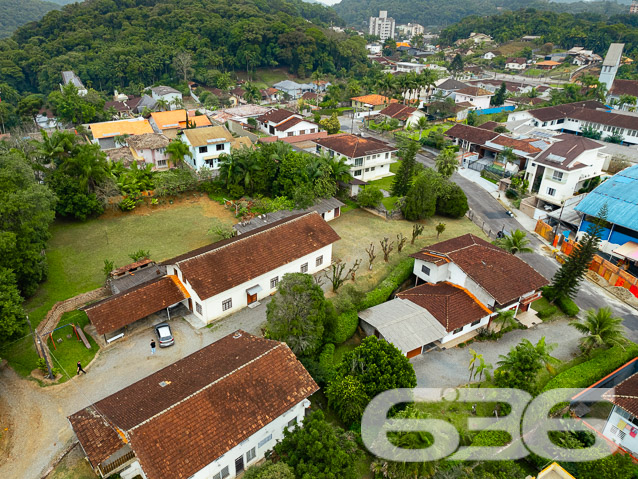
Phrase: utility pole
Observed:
(38, 344)
(560, 215)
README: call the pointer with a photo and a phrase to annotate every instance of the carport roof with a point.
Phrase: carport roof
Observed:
(124, 308)
(403, 323)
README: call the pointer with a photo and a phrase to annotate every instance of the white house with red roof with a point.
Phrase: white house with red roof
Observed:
(478, 97)
(284, 123)
(369, 158)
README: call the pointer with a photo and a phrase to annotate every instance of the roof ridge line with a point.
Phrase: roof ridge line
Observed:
(207, 386)
(245, 237)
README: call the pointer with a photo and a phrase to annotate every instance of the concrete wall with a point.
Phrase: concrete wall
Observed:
(237, 129)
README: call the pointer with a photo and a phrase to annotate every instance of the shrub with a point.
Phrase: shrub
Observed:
(236, 191)
(547, 312)
(370, 196)
(128, 204)
(452, 202)
(397, 276)
(491, 438)
(585, 374)
(567, 306)
(346, 326)
(511, 194)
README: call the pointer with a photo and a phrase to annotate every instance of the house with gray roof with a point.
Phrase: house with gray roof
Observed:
(71, 77)
(168, 94)
(294, 89)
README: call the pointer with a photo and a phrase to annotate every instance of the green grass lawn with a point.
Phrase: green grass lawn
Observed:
(67, 353)
(389, 202)
(76, 251)
(386, 183)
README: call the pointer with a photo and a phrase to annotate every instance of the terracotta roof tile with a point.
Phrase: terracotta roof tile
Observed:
(99, 438)
(474, 91)
(173, 119)
(516, 144)
(373, 99)
(121, 309)
(472, 134)
(220, 266)
(290, 122)
(625, 395)
(108, 129)
(451, 305)
(624, 87)
(276, 116)
(354, 146)
(504, 276)
(398, 111)
(226, 391)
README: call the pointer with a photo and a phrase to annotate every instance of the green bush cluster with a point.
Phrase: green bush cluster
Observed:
(567, 306)
(491, 439)
(585, 374)
(326, 361)
(346, 326)
(381, 293)
(547, 312)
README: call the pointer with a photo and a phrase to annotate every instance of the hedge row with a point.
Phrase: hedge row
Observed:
(326, 364)
(346, 326)
(567, 306)
(585, 374)
(547, 312)
(381, 293)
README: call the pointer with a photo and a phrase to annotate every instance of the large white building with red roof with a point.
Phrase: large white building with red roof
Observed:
(283, 124)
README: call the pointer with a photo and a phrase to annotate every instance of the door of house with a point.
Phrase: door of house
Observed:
(337, 212)
(239, 464)
(251, 298)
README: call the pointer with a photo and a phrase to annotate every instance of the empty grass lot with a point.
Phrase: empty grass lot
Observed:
(358, 228)
(76, 251)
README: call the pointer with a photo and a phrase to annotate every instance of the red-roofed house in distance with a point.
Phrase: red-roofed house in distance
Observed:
(283, 123)
(367, 104)
(369, 158)
(405, 115)
(461, 284)
(212, 414)
(477, 96)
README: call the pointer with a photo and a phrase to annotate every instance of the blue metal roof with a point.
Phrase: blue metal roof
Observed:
(620, 192)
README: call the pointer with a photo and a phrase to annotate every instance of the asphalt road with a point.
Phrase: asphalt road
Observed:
(485, 206)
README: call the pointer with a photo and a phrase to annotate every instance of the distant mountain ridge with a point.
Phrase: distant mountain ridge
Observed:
(436, 13)
(15, 13)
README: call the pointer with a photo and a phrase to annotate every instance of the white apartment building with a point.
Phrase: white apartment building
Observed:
(382, 26)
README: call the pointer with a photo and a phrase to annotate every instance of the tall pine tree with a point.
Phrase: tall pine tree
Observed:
(572, 272)
(403, 178)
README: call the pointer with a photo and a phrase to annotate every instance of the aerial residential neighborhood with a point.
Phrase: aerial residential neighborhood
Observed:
(229, 232)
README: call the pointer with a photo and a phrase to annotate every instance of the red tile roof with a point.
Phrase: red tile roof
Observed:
(220, 266)
(398, 111)
(294, 139)
(124, 308)
(478, 136)
(624, 87)
(290, 122)
(516, 144)
(275, 116)
(502, 275)
(373, 99)
(185, 416)
(474, 91)
(354, 146)
(451, 305)
(309, 95)
(625, 395)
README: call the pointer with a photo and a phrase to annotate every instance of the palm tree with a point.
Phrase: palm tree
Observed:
(58, 147)
(478, 367)
(177, 151)
(421, 124)
(446, 163)
(162, 104)
(228, 169)
(339, 169)
(600, 328)
(515, 242)
(505, 318)
(543, 351)
(88, 165)
(252, 94)
(387, 84)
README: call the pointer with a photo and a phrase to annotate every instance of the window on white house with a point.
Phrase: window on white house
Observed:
(198, 308)
(291, 133)
(265, 441)
(292, 423)
(358, 162)
(319, 260)
(222, 474)
(250, 455)
(203, 149)
(304, 268)
(302, 132)
(367, 169)
(274, 282)
(312, 130)
(227, 304)
(219, 147)
(357, 173)
(425, 270)
(161, 163)
(457, 330)
(474, 323)
(557, 176)
(551, 191)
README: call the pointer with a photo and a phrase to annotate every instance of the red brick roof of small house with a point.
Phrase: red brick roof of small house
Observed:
(309, 95)
(226, 391)
(354, 146)
(220, 266)
(562, 153)
(131, 267)
(290, 122)
(625, 395)
(373, 99)
(556, 112)
(490, 125)
(294, 139)
(524, 145)
(473, 134)
(126, 307)
(519, 60)
(474, 91)
(624, 87)
(398, 111)
(276, 116)
(452, 305)
(504, 276)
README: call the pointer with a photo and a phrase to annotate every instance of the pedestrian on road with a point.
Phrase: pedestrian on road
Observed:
(152, 346)
(80, 370)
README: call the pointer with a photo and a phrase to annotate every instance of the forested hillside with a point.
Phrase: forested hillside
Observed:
(131, 42)
(437, 13)
(15, 13)
(593, 32)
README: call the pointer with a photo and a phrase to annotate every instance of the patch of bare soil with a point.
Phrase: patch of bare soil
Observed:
(210, 207)
(6, 430)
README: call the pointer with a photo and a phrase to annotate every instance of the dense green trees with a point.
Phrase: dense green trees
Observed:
(299, 314)
(268, 470)
(15, 13)
(124, 44)
(319, 450)
(420, 202)
(12, 318)
(407, 169)
(26, 211)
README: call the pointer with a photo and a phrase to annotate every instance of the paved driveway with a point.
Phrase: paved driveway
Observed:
(39, 430)
(449, 368)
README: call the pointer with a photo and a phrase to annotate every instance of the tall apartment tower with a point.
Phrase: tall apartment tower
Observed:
(634, 7)
(610, 65)
(382, 26)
